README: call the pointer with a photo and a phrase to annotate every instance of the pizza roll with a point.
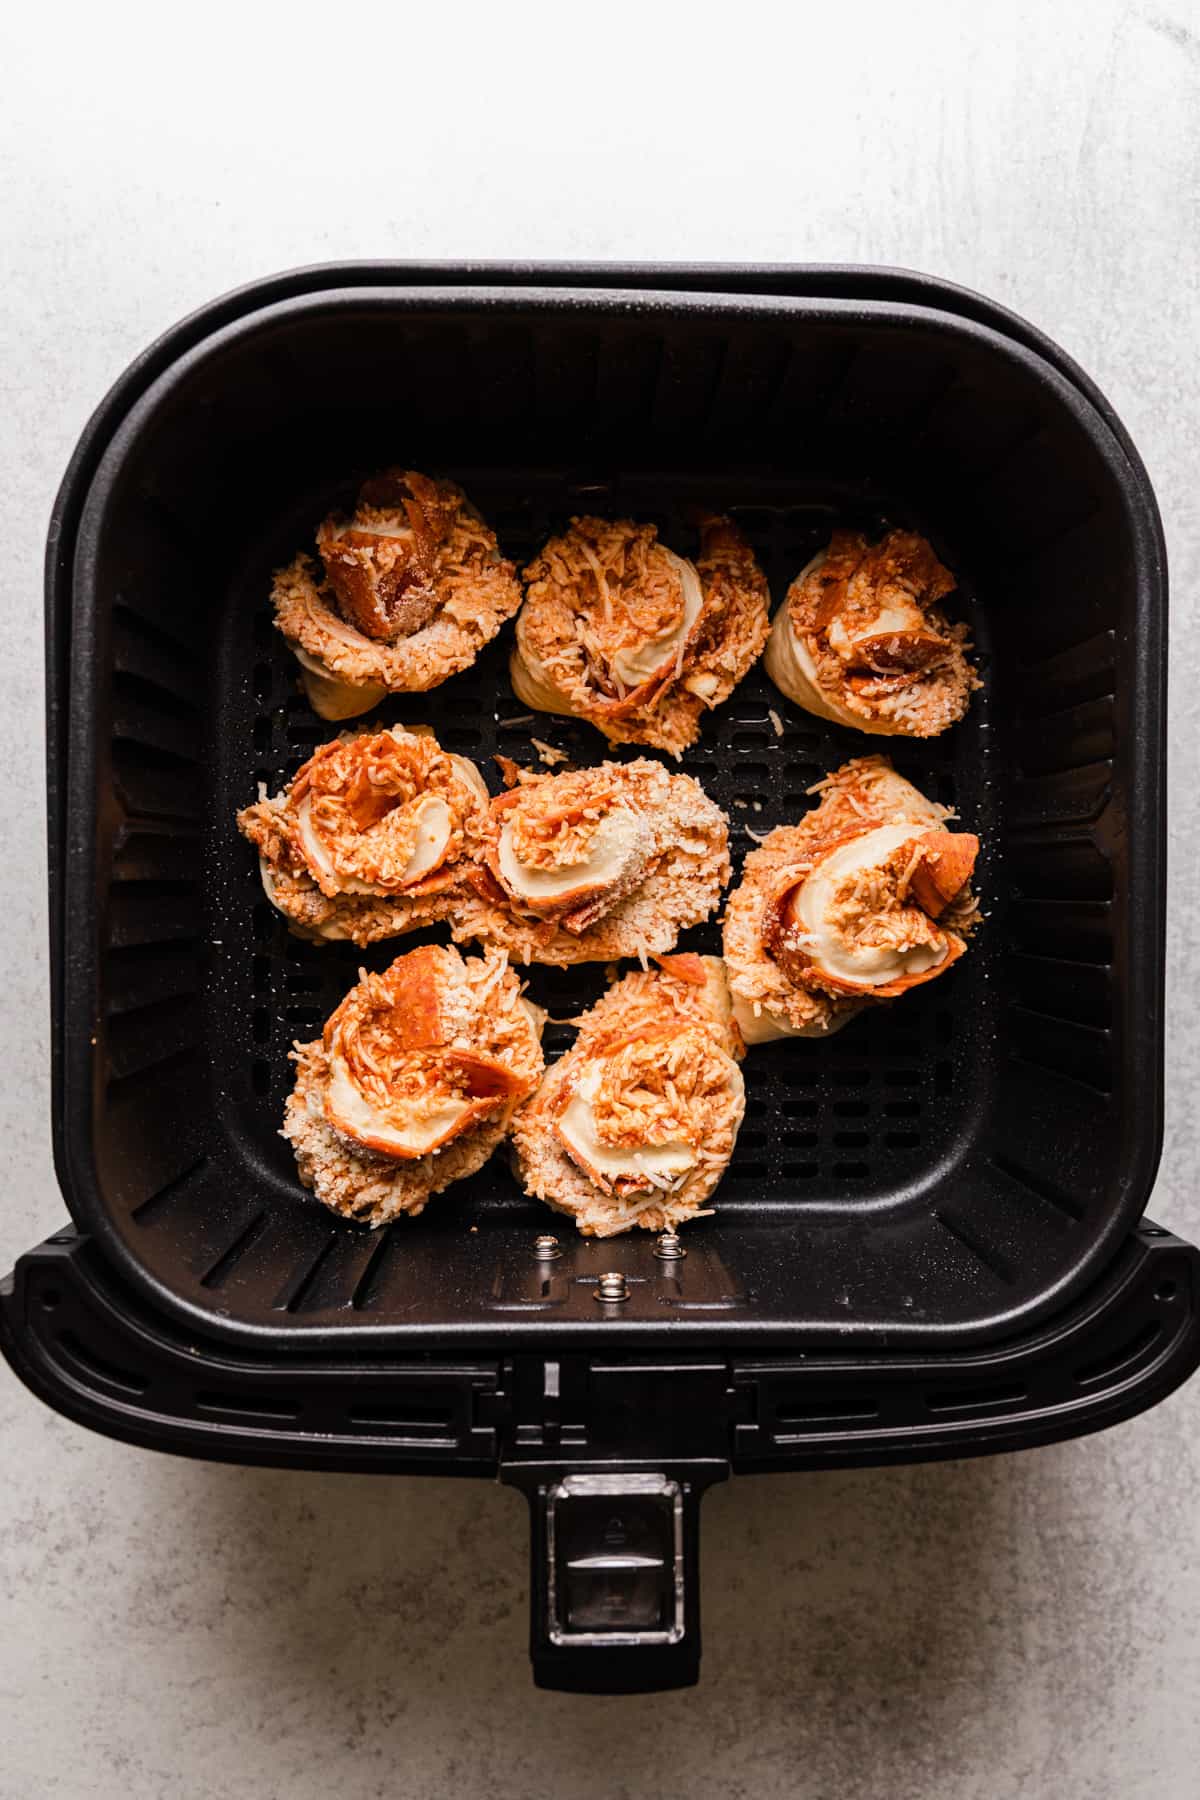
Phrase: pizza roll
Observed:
(370, 837)
(636, 1123)
(413, 1082)
(867, 897)
(594, 864)
(409, 590)
(862, 639)
(618, 629)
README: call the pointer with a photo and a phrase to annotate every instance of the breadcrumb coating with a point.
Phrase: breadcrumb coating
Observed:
(917, 895)
(862, 638)
(407, 593)
(435, 1033)
(674, 864)
(658, 1052)
(373, 836)
(601, 598)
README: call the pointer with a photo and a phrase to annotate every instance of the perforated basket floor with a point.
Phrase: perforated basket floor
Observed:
(858, 1119)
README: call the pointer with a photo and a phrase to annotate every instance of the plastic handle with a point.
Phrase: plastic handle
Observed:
(615, 1588)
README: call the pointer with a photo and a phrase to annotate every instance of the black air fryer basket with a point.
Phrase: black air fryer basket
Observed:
(929, 1242)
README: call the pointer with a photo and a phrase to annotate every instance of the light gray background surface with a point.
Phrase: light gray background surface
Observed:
(1021, 1626)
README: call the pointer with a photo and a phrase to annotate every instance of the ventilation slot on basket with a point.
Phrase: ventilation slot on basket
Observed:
(414, 1419)
(812, 378)
(1067, 503)
(151, 784)
(146, 975)
(750, 376)
(689, 375)
(565, 366)
(1070, 930)
(369, 1279)
(1066, 867)
(1120, 1361)
(1075, 1053)
(150, 913)
(1061, 798)
(144, 715)
(150, 673)
(1044, 1190)
(1072, 739)
(151, 1036)
(391, 1281)
(96, 1368)
(852, 1406)
(1077, 993)
(986, 1254)
(1071, 677)
(250, 1407)
(146, 852)
(219, 1271)
(162, 1087)
(976, 1399)
(161, 645)
(170, 1190)
(292, 1297)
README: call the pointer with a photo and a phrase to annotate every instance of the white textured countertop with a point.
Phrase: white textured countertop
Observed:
(1018, 1626)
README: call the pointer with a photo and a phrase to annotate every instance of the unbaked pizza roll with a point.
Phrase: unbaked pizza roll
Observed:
(862, 639)
(371, 837)
(636, 1124)
(618, 629)
(867, 897)
(409, 590)
(594, 864)
(413, 1082)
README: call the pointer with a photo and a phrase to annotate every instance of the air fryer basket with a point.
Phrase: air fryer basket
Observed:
(928, 1243)
(947, 1167)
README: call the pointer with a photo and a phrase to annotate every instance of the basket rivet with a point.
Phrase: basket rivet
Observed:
(547, 1245)
(612, 1286)
(669, 1248)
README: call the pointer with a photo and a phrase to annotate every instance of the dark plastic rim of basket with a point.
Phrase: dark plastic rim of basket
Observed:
(72, 540)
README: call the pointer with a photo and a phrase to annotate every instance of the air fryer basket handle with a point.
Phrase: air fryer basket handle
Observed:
(614, 1590)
